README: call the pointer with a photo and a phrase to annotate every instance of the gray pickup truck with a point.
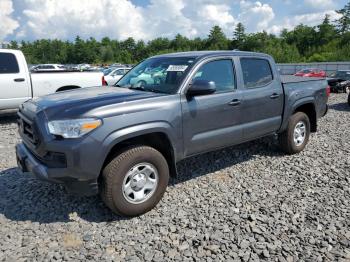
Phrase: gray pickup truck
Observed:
(124, 141)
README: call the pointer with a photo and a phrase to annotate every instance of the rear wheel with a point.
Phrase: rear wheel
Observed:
(141, 83)
(294, 139)
(134, 181)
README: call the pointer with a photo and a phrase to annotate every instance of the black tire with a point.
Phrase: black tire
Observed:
(141, 83)
(117, 169)
(286, 139)
(349, 99)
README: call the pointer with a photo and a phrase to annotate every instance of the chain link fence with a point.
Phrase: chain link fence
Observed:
(329, 67)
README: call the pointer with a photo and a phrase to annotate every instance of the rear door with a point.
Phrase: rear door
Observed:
(14, 81)
(262, 104)
(212, 121)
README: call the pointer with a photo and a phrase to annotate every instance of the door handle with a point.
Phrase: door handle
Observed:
(235, 102)
(19, 79)
(274, 96)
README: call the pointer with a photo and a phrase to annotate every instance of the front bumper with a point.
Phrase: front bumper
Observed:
(27, 162)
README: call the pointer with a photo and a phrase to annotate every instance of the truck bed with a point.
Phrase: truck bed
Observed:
(306, 88)
(286, 79)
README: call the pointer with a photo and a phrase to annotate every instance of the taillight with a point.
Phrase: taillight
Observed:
(104, 83)
(328, 91)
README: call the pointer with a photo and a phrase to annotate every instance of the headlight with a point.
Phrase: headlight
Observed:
(73, 128)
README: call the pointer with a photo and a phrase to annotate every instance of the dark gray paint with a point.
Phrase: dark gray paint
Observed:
(193, 125)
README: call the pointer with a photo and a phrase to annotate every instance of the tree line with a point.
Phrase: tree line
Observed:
(328, 41)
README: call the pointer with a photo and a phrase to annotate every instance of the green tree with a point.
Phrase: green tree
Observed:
(239, 36)
(324, 42)
(304, 37)
(180, 43)
(217, 39)
(343, 22)
(326, 31)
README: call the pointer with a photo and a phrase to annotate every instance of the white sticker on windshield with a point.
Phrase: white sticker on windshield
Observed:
(177, 68)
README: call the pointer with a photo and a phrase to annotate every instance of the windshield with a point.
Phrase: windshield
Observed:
(305, 71)
(342, 74)
(107, 71)
(159, 74)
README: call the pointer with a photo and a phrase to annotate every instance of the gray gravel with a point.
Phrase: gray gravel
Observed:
(245, 203)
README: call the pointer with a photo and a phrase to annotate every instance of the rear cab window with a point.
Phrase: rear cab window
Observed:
(256, 72)
(8, 64)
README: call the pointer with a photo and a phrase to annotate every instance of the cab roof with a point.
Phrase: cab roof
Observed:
(203, 54)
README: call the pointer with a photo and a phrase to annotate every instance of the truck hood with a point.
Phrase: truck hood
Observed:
(80, 101)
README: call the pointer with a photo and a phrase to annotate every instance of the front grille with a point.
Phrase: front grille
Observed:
(53, 159)
(27, 129)
(28, 132)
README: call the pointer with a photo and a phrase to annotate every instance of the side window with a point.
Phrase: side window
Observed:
(119, 72)
(256, 72)
(8, 64)
(218, 71)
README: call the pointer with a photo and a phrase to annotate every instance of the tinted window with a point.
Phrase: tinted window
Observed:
(220, 72)
(158, 74)
(306, 71)
(8, 63)
(256, 72)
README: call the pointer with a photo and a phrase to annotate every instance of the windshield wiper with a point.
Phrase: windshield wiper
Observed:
(145, 89)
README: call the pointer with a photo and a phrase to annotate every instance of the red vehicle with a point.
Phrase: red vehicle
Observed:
(311, 72)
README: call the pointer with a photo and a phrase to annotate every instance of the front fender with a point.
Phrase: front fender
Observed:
(143, 129)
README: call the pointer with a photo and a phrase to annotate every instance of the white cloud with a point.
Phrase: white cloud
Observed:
(311, 19)
(7, 24)
(120, 19)
(319, 4)
(256, 16)
(67, 18)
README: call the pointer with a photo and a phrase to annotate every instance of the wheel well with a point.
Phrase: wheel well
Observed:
(309, 110)
(158, 141)
(65, 88)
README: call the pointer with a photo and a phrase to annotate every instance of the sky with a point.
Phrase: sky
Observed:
(148, 19)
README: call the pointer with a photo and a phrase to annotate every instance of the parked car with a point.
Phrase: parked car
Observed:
(107, 70)
(311, 72)
(149, 77)
(125, 141)
(115, 74)
(339, 81)
(82, 67)
(48, 67)
(17, 84)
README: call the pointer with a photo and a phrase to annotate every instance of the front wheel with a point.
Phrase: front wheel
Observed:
(134, 181)
(294, 139)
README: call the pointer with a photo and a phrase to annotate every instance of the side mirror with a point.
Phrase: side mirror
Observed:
(201, 87)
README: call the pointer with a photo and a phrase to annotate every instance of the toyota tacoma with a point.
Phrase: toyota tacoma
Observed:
(124, 141)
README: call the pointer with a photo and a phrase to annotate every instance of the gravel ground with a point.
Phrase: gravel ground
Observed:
(245, 203)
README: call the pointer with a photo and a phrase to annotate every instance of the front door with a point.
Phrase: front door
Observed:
(212, 121)
(14, 82)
